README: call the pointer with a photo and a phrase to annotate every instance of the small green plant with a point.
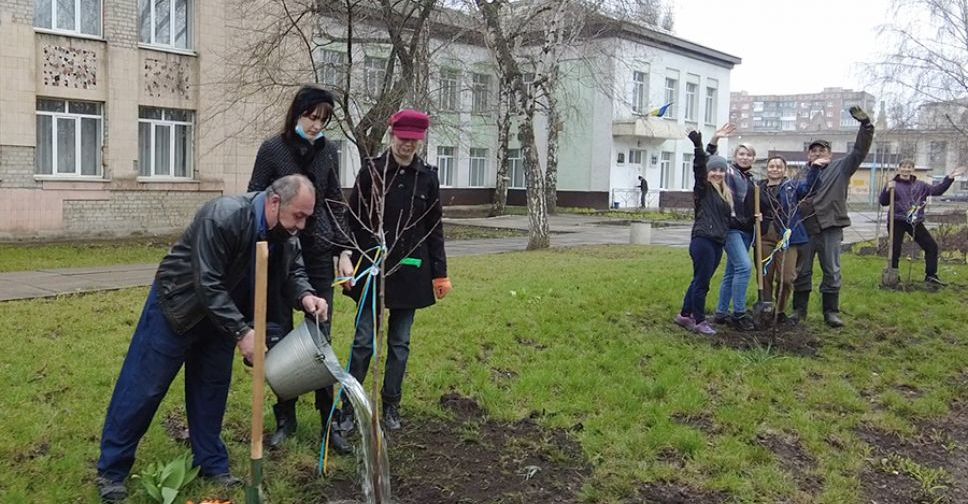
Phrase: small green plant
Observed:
(932, 481)
(163, 483)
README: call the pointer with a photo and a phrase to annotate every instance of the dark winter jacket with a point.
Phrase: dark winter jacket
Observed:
(712, 211)
(214, 255)
(744, 203)
(911, 195)
(325, 233)
(829, 194)
(412, 225)
(778, 204)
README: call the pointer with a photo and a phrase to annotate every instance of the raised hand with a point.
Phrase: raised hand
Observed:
(859, 114)
(957, 172)
(724, 131)
(696, 138)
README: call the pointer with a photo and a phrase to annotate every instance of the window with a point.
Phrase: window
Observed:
(640, 92)
(516, 169)
(70, 16)
(665, 170)
(621, 158)
(448, 88)
(672, 96)
(635, 156)
(331, 67)
(937, 152)
(164, 142)
(481, 89)
(687, 177)
(165, 23)
(478, 167)
(445, 165)
(711, 102)
(374, 71)
(692, 98)
(69, 137)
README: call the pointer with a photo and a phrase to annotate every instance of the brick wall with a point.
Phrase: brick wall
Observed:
(132, 212)
(22, 11)
(121, 23)
(17, 166)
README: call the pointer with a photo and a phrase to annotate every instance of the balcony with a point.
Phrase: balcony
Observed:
(647, 128)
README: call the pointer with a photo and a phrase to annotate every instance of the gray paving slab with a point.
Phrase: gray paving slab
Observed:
(568, 231)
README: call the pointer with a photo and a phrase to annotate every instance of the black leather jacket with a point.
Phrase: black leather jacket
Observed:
(213, 256)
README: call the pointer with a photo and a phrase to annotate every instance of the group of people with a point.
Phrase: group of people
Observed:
(200, 306)
(800, 217)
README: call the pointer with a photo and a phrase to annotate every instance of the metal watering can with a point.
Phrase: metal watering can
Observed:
(300, 362)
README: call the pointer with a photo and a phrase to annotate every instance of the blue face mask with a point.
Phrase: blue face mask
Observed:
(301, 132)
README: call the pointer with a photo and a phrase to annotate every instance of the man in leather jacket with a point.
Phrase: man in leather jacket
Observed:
(191, 318)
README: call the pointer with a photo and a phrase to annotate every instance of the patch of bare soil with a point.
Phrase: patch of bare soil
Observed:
(795, 340)
(475, 460)
(176, 427)
(901, 469)
(795, 461)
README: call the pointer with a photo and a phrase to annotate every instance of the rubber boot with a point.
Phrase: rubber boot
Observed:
(336, 440)
(285, 423)
(801, 300)
(831, 309)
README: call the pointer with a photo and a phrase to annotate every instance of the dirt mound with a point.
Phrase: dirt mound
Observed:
(473, 459)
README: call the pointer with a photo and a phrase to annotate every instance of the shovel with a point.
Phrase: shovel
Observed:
(253, 491)
(891, 277)
(762, 310)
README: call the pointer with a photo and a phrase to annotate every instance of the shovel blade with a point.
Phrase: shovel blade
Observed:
(891, 277)
(763, 314)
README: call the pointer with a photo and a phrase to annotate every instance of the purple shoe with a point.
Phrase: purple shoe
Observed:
(704, 328)
(685, 322)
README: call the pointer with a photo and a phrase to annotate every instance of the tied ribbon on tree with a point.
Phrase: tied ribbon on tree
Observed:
(781, 245)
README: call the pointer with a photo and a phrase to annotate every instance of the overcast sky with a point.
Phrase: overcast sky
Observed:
(788, 46)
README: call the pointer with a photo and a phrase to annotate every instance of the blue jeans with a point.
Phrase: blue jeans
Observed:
(398, 351)
(706, 255)
(154, 358)
(739, 268)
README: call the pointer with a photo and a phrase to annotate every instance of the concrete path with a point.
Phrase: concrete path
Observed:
(568, 231)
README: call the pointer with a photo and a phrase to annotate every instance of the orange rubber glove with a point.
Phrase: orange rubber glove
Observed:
(441, 287)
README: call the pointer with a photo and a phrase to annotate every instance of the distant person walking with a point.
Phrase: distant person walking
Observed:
(825, 217)
(643, 190)
(910, 198)
(713, 203)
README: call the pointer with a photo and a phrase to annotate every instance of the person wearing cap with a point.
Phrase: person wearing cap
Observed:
(910, 198)
(415, 264)
(713, 203)
(825, 216)
(302, 148)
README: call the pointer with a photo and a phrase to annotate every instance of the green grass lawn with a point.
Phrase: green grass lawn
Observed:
(589, 338)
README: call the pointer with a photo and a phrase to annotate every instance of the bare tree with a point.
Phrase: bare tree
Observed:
(927, 62)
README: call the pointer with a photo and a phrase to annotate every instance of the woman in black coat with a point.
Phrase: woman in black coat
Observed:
(415, 263)
(302, 148)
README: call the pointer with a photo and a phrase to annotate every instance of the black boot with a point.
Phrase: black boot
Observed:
(336, 440)
(391, 416)
(285, 423)
(801, 300)
(831, 309)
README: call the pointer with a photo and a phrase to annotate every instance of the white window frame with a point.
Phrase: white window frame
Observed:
(692, 99)
(164, 122)
(480, 90)
(516, 168)
(636, 156)
(665, 170)
(445, 164)
(170, 44)
(671, 93)
(640, 92)
(331, 67)
(687, 169)
(374, 71)
(78, 144)
(477, 167)
(449, 99)
(76, 31)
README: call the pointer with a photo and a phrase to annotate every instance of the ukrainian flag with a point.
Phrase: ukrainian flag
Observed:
(661, 111)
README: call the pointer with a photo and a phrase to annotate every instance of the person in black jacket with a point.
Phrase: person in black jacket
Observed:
(302, 148)
(190, 318)
(415, 263)
(714, 207)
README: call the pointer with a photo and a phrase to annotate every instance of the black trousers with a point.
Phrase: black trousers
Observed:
(923, 239)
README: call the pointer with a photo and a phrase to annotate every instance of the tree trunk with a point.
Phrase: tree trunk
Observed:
(538, 229)
(555, 125)
(503, 179)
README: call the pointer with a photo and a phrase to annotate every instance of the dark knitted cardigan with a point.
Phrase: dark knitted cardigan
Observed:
(327, 229)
